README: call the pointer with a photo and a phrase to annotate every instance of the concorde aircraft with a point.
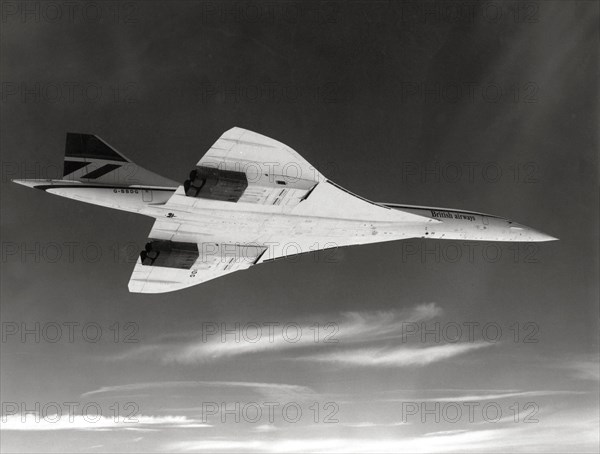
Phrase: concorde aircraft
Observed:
(249, 200)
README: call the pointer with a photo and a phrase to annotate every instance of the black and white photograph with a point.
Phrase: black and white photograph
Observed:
(274, 226)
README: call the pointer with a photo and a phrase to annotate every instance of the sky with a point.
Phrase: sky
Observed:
(410, 346)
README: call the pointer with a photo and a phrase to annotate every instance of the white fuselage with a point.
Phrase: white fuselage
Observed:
(310, 231)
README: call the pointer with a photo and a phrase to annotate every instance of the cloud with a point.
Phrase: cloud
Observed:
(586, 367)
(381, 325)
(498, 395)
(445, 432)
(357, 327)
(267, 390)
(432, 443)
(251, 338)
(265, 428)
(396, 356)
(35, 422)
(564, 435)
(364, 424)
(216, 445)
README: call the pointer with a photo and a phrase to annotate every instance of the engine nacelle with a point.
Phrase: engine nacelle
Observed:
(216, 184)
(170, 254)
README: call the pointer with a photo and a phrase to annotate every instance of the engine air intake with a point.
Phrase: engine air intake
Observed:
(216, 184)
(170, 254)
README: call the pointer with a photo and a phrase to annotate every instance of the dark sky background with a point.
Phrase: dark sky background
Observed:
(377, 96)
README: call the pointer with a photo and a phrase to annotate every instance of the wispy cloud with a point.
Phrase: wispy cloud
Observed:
(497, 396)
(267, 390)
(363, 424)
(266, 428)
(571, 436)
(375, 328)
(35, 422)
(584, 367)
(347, 328)
(396, 356)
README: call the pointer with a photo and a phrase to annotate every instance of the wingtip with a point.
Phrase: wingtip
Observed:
(28, 183)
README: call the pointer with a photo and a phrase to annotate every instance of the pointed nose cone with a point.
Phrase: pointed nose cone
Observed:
(524, 233)
(539, 236)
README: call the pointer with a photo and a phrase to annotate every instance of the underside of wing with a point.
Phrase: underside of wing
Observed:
(245, 167)
(242, 150)
(167, 264)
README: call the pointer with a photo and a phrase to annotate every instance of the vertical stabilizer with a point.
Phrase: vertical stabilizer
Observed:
(90, 159)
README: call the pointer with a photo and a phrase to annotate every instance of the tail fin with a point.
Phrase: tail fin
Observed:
(90, 159)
